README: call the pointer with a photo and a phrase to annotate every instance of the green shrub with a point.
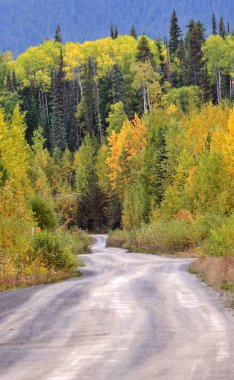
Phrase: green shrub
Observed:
(53, 250)
(175, 235)
(160, 236)
(220, 242)
(78, 241)
(203, 224)
(44, 213)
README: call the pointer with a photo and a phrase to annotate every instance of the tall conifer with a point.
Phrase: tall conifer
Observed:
(175, 33)
(144, 54)
(214, 25)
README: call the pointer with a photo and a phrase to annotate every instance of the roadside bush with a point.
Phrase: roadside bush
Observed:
(78, 241)
(202, 226)
(118, 238)
(44, 213)
(220, 242)
(53, 250)
(161, 236)
(175, 235)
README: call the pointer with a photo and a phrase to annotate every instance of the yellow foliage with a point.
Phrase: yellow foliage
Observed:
(125, 150)
(171, 109)
(14, 150)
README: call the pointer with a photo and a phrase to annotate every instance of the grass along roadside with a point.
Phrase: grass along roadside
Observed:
(52, 257)
(218, 273)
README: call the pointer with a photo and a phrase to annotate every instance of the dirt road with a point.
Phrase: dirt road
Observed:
(130, 317)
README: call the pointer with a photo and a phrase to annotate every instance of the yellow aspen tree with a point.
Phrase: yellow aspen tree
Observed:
(125, 150)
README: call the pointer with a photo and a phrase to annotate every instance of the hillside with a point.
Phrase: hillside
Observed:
(29, 22)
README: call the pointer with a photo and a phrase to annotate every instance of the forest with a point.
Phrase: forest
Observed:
(124, 133)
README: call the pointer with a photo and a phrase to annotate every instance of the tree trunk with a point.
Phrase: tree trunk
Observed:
(144, 99)
(98, 112)
(231, 87)
(149, 100)
(219, 85)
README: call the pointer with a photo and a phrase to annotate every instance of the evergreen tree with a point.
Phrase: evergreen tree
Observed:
(112, 32)
(89, 108)
(14, 81)
(196, 72)
(29, 98)
(214, 25)
(175, 33)
(58, 132)
(144, 54)
(117, 84)
(9, 84)
(162, 65)
(58, 35)
(222, 30)
(181, 76)
(133, 32)
(74, 131)
(116, 32)
(89, 200)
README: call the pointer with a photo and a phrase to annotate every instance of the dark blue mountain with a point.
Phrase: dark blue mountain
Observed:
(24, 23)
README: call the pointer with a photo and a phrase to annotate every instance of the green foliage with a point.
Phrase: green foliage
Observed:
(172, 236)
(220, 241)
(54, 250)
(175, 33)
(44, 213)
(212, 188)
(184, 97)
(144, 53)
(116, 118)
(159, 237)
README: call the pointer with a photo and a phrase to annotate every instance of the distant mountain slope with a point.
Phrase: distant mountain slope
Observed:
(29, 22)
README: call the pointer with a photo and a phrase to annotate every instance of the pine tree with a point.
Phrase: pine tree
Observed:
(133, 32)
(58, 130)
(214, 25)
(144, 54)
(9, 84)
(196, 73)
(117, 84)
(74, 131)
(112, 32)
(222, 30)
(175, 33)
(14, 81)
(89, 208)
(58, 35)
(162, 65)
(116, 32)
(89, 108)
(29, 96)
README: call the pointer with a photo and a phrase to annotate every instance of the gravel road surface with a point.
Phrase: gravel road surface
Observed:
(130, 317)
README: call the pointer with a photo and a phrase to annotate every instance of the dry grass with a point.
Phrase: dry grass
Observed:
(118, 239)
(22, 280)
(218, 272)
